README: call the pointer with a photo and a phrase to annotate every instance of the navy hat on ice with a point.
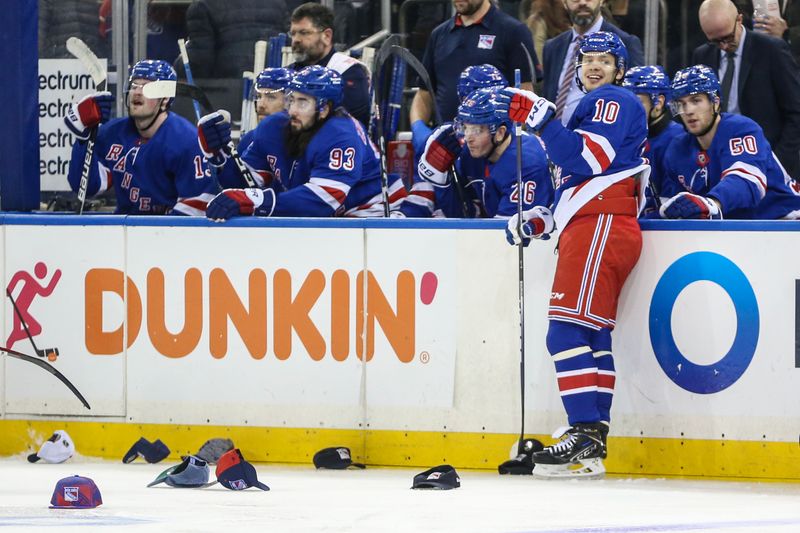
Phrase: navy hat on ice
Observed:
(75, 492)
(153, 452)
(234, 473)
(193, 472)
(337, 458)
(442, 477)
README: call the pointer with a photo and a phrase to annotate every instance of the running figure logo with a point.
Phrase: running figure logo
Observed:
(25, 325)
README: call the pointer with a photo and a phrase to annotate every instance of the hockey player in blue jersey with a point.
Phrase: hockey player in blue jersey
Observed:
(151, 157)
(313, 161)
(652, 85)
(598, 198)
(722, 166)
(270, 84)
(486, 163)
(423, 199)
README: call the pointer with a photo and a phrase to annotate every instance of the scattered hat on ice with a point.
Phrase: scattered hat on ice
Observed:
(75, 492)
(337, 458)
(213, 449)
(57, 449)
(152, 452)
(193, 472)
(234, 473)
(522, 463)
(442, 477)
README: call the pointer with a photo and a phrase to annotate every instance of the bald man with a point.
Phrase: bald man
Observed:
(758, 76)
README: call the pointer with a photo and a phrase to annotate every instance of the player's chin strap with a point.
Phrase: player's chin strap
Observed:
(495, 144)
(155, 117)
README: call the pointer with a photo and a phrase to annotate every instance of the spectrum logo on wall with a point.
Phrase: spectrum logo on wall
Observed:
(332, 314)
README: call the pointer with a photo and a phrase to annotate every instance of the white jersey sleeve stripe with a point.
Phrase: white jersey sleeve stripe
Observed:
(597, 151)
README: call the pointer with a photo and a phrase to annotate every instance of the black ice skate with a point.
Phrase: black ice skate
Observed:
(579, 454)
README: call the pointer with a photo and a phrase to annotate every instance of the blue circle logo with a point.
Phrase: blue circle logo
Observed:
(704, 266)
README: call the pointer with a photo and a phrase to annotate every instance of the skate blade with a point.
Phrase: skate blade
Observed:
(586, 469)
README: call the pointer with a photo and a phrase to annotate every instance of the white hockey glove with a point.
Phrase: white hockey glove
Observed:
(537, 223)
(441, 151)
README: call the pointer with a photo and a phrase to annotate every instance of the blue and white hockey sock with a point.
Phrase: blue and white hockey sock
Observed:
(606, 375)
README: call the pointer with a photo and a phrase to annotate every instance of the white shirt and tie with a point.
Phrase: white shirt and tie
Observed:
(575, 94)
(733, 97)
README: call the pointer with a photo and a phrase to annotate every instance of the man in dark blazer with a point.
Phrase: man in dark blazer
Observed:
(765, 84)
(559, 54)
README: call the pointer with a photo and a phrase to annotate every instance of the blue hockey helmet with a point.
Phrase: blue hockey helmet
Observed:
(479, 77)
(273, 78)
(649, 79)
(480, 107)
(153, 69)
(324, 84)
(604, 42)
(695, 80)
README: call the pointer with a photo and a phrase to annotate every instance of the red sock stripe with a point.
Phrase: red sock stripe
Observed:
(606, 381)
(567, 383)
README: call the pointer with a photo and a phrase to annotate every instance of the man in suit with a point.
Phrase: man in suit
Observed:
(759, 77)
(560, 85)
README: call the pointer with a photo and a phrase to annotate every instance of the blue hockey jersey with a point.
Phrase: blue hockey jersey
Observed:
(491, 188)
(655, 150)
(166, 174)
(738, 169)
(338, 175)
(604, 138)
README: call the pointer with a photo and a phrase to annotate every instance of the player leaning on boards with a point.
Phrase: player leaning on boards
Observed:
(598, 197)
(150, 157)
(722, 166)
(314, 160)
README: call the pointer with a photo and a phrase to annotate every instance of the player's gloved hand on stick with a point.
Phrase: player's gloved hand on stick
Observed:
(213, 135)
(235, 202)
(688, 205)
(441, 152)
(526, 106)
(419, 135)
(89, 112)
(537, 223)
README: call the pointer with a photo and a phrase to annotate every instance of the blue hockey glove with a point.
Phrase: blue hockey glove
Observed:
(419, 136)
(525, 106)
(213, 135)
(537, 223)
(234, 202)
(89, 112)
(441, 152)
(688, 205)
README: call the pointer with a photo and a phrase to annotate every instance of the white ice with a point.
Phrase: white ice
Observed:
(380, 500)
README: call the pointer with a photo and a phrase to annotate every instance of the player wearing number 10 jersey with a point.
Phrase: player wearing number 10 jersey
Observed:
(597, 200)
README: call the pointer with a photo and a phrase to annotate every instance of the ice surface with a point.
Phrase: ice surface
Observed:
(380, 500)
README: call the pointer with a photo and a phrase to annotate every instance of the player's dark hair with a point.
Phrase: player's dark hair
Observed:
(319, 15)
(296, 143)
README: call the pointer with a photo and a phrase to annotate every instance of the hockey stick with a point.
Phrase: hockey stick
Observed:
(419, 69)
(377, 121)
(89, 60)
(531, 67)
(520, 277)
(249, 119)
(170, 89)
(189, 78)
(50, 353)
(48, 367)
